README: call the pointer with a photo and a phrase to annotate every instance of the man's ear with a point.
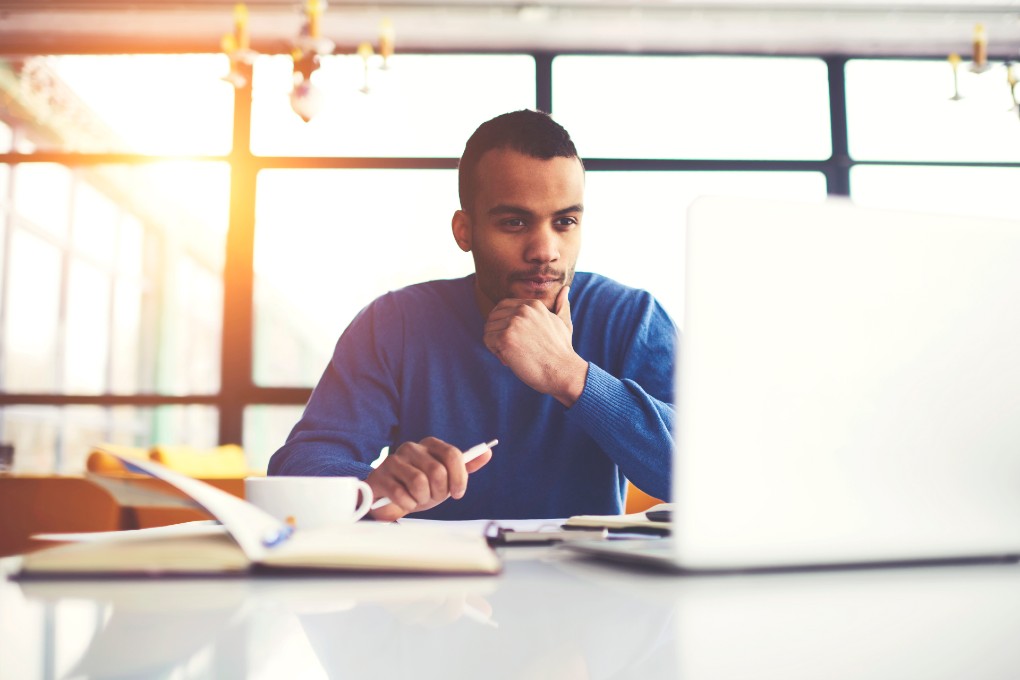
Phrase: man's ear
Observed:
(462, 230)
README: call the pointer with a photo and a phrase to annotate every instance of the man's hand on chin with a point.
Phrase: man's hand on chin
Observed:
(535, 344)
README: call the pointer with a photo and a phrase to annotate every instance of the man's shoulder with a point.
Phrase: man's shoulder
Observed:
(599, 290)
(427, 293)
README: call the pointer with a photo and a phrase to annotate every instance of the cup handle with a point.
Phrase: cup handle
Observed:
(366, 500)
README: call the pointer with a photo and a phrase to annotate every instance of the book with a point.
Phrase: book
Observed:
(637, 522)
(248, 539)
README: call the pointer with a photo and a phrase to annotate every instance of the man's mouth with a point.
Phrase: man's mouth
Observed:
(538, 277)
(538, 285)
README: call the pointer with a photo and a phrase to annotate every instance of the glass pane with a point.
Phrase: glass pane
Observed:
(150, 104)
(5, 181)
(87, 330)
(162, 279)
(417, 107)
(42, 195)
(34, 431)
(126, 345)
(5, 174)
(83, 427)
(902, 110)
(192, 362)
(694, 107)
(33, 318)
(58, 439)
(130, 253)
(320, 260)
(94, 224)
(188, 425)
(173, 425)
(265, 430)
(988, 192)
(6, 137)
(629, 236)
(182, 243)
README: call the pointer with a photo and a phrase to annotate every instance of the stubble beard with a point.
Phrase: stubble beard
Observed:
(496, 286)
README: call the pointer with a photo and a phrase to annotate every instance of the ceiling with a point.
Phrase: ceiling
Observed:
(857, 27)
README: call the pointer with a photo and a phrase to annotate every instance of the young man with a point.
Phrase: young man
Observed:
(571, 372)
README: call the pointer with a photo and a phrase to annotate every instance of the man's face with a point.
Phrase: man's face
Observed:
(524, 229)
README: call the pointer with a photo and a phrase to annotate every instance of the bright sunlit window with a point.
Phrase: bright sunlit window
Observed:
(635, 235)
(421, 106)
(328, 242)
(903, 110)
(112, 274)
(694, 107)
(988, 192)
(58, 439)
(141, 103)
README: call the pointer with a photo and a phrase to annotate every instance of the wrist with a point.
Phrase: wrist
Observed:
(573, 382)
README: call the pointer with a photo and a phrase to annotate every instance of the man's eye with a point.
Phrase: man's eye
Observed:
(512, 224)
(566, 222)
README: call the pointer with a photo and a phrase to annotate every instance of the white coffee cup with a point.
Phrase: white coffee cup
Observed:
(310, 502)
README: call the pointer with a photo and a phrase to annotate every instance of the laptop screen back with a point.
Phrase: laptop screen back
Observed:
(848, 386)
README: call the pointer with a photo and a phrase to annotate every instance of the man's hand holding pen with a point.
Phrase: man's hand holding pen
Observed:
(421, 475)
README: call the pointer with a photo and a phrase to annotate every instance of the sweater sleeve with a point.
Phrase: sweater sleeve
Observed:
(631, 414)
(352, 412)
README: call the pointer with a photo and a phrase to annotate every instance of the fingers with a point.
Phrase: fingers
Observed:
(562, 306)
(479, 462)
(418, 476)
(508, 308)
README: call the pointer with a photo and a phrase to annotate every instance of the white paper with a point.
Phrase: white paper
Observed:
(251, 527)
(202, 527)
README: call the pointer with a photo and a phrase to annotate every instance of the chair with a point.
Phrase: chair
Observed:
(45, 504)
(638, 500)
(224, 467)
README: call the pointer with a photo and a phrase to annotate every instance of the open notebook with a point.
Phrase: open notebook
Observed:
(248, 539)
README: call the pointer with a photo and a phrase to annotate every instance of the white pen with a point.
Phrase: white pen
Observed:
(467, 457)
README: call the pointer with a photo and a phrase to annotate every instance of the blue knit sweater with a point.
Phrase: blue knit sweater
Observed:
(412, 364)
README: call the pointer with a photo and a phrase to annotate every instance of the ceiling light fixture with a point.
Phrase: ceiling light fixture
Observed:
(237, 47)
(305, 98)
(979, 65)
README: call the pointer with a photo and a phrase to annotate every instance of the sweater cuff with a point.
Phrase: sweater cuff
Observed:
(325, 467)
(596, 409)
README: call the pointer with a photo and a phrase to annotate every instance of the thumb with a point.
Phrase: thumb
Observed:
(479, 462)
(563, 306)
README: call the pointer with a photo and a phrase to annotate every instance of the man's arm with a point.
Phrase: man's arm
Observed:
(630, 415)
(352, 415)
(352, 412)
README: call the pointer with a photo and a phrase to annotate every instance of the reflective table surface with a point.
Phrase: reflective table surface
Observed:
(548, 615)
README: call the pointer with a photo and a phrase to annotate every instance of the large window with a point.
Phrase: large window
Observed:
(694, 107)
(904, 110)
(143, 103)
(327, 242)
(419, 106)
(114, 278)
(196, 298)
(112, 272)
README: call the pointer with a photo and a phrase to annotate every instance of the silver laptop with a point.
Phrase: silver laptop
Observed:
(848, 390)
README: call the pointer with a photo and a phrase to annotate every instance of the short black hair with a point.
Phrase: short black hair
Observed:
(533, 133)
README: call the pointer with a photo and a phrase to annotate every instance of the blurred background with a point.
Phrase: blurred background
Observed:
(197, 197)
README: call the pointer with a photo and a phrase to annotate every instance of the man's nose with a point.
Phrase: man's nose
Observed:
(543, 246)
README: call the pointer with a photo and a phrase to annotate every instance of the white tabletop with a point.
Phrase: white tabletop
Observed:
(549, 615)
